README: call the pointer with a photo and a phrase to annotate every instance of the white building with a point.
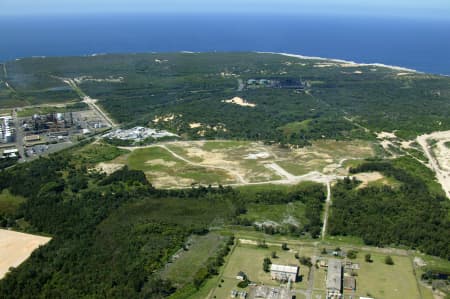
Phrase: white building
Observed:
(283, 273)
(334, 279)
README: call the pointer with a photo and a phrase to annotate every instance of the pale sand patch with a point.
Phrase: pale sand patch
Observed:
(16, 247)
(161, 162)
(367, 177)
(305, 153)
(406, 144)
(403, 74)
(239, 101)
(388, 135)
(439, 162)
(108, 168)
(195, 125)
(164, 118)
(357, 72)
(255, 156)
(331, 168)
(163, 180)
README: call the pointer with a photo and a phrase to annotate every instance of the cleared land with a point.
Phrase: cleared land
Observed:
(438, 154)
(16, 247)
(182, 163)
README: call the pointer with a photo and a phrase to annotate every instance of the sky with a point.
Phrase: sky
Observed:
(434, 9)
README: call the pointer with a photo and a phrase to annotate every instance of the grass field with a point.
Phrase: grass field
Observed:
(9, 203)
(375, 279)
(385, 281)
(95, 153)
(164, 170)
(249, 259)
(292, 213)
(183, 269)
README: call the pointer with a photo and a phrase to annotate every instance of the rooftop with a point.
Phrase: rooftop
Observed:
(286, 269)
(334, 274)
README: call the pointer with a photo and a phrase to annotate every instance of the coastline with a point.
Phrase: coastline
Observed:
(356, 64)
(299, 56)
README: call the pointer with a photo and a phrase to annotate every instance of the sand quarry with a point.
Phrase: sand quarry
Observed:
(16, 247)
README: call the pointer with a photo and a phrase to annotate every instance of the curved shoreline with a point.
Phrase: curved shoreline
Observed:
(299, 56)
(356, 64)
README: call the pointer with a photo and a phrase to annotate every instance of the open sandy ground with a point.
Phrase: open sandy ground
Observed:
(439, 157)
(16, 247)
(108, 168)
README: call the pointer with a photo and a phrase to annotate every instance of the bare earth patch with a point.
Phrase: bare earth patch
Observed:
(438, 156)
(108, 168)
(367, 177)
(16, 247)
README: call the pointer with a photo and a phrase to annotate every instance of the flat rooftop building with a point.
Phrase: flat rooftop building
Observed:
(283, 273)
(334, 279)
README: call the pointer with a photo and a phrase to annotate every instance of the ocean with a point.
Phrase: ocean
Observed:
(423, 45)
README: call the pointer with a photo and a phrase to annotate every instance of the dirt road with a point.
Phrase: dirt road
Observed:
(327, 207)
(89, 101)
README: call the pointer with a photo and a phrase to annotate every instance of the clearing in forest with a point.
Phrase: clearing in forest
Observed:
(182, 163)
(16, 247)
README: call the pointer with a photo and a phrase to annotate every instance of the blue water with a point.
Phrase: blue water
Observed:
(422, 45)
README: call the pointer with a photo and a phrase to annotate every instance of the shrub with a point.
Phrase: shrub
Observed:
(388, 260)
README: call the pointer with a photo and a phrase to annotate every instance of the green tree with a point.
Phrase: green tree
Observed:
(266, 264)
(388, 260)
(352, 254)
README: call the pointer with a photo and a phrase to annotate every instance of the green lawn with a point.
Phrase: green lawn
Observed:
(385, 281)
(184, 153)
(183, 269)
(98, 152)
(139, 158)
(280, 213)
(9, 203)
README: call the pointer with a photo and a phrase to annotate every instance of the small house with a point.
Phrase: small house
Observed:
(241, 276)
(349, 283)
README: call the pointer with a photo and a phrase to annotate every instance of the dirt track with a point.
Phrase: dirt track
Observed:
(16, 247)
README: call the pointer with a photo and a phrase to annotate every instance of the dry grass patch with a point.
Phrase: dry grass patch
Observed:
(16, 247)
